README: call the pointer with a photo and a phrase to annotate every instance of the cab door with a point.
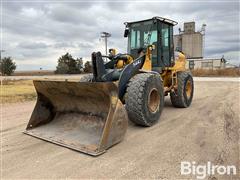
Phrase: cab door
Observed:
(165, 44)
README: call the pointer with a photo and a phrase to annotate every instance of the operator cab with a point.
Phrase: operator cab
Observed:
(157, 31)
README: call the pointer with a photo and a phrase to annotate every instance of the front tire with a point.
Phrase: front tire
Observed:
(182, 96)
(145, 99)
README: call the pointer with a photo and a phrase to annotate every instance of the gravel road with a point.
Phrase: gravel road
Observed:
(206, 131)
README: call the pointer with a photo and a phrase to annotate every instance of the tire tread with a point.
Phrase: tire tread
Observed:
(134, 103)
(178, 99)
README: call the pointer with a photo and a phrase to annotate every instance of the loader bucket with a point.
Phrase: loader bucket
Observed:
(84, 116)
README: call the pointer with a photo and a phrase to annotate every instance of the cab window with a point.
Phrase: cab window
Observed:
(165, 36)
(150, 37)
(135, 39)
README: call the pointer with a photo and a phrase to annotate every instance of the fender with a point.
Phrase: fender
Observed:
(152, 72)
(128, 72)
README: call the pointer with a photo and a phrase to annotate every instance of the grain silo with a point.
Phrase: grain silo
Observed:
(189, 41)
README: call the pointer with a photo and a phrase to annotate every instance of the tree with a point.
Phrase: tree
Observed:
(7, 66)
(87, 67)
(62, 68)
(67, 65)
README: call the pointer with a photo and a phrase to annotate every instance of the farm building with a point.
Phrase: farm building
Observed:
(207, 63)
(189, 41)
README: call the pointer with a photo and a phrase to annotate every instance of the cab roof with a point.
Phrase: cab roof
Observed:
(164, 20)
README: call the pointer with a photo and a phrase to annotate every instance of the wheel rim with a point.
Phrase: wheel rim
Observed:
(189, 89)
(153, 100)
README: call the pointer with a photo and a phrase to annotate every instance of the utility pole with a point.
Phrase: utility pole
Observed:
(105, 36)
(203, 31)
(1, 51)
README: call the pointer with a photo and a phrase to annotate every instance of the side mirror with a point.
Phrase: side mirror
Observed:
(126, 32)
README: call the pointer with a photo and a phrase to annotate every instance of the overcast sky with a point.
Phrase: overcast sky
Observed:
(36, 33)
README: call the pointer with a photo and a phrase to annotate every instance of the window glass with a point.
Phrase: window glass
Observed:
(143, 34)
(150, 37)
(191, 64)
(135, 39)
(165, 36)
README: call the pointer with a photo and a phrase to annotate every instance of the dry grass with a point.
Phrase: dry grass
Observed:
(17, 91)
(33, 73)
(229, 72)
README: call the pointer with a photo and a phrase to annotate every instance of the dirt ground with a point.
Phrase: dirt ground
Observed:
(206, 131)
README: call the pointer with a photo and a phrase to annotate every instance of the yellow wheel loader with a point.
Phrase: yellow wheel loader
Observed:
(92, 114)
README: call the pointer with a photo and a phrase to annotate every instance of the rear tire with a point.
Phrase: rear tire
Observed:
(145, 99)
(87, 78)
(182, 96)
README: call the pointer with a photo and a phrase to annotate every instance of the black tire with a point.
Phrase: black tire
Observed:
(182, 96)
(87, 78)
(145, 99)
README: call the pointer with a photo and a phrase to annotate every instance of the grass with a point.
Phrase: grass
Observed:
(17, 91)
(33, 73)
(229, 72)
